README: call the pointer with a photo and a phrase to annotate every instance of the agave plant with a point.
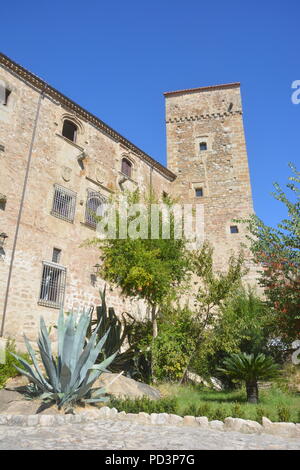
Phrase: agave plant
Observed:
(71, 375)
(119, 333)
(250, 368)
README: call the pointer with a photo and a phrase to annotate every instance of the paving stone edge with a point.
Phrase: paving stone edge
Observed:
(230, 424)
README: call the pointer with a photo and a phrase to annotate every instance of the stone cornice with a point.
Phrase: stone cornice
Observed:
(67, 103)
(202, 117)
(203, 88)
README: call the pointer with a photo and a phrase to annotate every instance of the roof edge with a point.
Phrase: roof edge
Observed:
(204, 88)
(83, 113)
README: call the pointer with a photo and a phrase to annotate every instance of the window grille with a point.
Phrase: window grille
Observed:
(63, 203)
(53, 285)
(126, 167)
(94, 206)
(203, 146)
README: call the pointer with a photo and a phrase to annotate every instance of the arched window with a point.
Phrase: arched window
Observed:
(69, 130)
(126, 167)
(203, 146)
(94, 207)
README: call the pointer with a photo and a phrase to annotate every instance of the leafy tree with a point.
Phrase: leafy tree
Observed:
(152, 269)
(245, 324)
(250, 368)
(213, 290)
(277, 251)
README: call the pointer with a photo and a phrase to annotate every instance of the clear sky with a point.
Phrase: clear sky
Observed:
(117, 58)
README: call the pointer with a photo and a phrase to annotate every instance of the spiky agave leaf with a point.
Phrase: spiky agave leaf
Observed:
(72, 376)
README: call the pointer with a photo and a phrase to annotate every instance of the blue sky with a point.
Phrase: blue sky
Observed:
(117, 58)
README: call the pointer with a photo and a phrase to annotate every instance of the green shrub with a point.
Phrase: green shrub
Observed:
(284, 414)
(204, 410)
(237, 411)
(260, 412)
(144, 404)
(298, 417)
(220, 413)
(8, 369)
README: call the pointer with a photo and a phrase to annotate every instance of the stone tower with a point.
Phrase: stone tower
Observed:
(206, 150)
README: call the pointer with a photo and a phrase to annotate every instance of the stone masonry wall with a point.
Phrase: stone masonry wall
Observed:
(54, 161)
(212, 116)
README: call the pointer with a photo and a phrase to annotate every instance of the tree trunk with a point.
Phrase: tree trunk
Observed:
(154, 335)
(252, 391)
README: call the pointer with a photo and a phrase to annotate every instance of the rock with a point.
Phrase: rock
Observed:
(125, 387)
(7, 397)
(280, 429)
(242, 425)
(216, 424)
(46, 420)
(216, 383)
(175, 419)
(202, 421)
(189, 421)
(24, 407)
(197, 379)
(159, 418)
(144, 418)
(16, 383)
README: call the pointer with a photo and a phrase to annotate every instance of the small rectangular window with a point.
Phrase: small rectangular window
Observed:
(4, 95)
(56, 255)
(52, 290)
(198, 192)
(234, 229)
(63, 203)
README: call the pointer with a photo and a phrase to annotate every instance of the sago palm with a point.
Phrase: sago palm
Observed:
(250, 368)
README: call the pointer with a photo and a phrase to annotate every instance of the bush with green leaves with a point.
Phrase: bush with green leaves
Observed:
(284, 414)
(174, 343)
(71, 375)
(144, 404)
(250, 368)
(8, 369)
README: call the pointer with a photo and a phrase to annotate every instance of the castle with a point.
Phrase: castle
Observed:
(59, 162)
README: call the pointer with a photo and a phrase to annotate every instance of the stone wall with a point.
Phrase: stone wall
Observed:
(54, 161)
(211, 117)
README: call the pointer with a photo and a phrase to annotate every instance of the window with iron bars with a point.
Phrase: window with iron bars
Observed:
(52, 291)
(63, 203)
(94, 206)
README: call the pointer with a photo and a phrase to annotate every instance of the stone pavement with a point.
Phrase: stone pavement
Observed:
(125, 435)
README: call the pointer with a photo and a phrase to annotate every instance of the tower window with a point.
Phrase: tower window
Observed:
(203, 146)
(4, 95)
(126, 167)
(234, 229)
(198, 192)
(69, 130)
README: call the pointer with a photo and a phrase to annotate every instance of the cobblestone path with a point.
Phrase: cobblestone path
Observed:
(124, 435)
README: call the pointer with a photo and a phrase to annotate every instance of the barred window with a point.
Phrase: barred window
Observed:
(94, 206)
(53, 285)
(126, 167)
(63, 203)
(203, 146)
